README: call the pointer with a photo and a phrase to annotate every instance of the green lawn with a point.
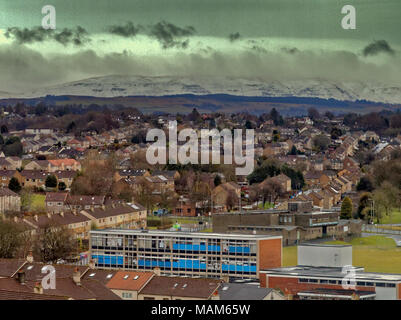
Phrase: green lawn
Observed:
(375, 254)
(268, 205)
(395, 217)
(38, 202)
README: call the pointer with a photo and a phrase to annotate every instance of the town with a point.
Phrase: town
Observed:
(78, 193)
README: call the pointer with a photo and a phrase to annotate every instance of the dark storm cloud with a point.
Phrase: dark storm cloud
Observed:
(377, 47)
(25, 35)
(77, 36)
(167, 34)
(234, 36)
(127, 30)
(292, 50)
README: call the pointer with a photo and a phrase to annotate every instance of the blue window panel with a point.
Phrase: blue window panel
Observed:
(224, 267)
(213, 248)
(231, 267)
(239, 268)
(202, 247)
(195, 247)
(203, 266)
(246, 268)
(253, 268)
(141, 263)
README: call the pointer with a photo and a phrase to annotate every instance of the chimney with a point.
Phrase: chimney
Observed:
(36, 217)
(92, 209)
(49, 215)
(62, 214)
(91, 264)
(21, 276)
(103, 207)
(156, 271)
(74, 212)
(38, 288)
(16, 219)
(76, 277)
(29, 257)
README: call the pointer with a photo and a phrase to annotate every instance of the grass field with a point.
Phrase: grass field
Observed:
(394, 218)
(375, 254)
(38, 202)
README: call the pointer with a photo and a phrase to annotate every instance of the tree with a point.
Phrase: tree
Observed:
(217, 180)
(10, 239)
(54, 242)
(365, 184)
(346, 208)
(51, 181)
(313, 113)
(13, 147)
(3, 129)
(386, 199)
(364, 207)
(335, 133)
(26, 200)
(62, 186)
(232, 200)
(267, 169)
(321, 142)
(14, 185)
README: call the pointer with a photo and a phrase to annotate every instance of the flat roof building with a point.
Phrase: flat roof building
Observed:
(325, 272)
(186, 254)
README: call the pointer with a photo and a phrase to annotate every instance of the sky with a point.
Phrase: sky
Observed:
(263, 39)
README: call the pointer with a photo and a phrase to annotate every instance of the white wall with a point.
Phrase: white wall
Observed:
(324, 255)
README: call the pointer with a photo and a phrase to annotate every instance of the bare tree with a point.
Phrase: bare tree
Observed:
(54, 242)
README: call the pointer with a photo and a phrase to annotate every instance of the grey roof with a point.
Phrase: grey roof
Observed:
(242, 291)
(331, 273)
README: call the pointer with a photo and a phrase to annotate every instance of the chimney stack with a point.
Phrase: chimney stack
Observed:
(36, 217)
(76, 277)
(38, 288)
(157, 271)
(62, 214)
(49, 215)
(29, 257)
(21, 276)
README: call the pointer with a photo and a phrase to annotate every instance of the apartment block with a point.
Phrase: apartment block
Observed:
(186, 254)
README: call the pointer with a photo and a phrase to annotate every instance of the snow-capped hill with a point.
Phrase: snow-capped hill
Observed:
(114, 86)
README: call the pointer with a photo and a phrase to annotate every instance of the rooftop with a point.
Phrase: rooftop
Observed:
(331, 273)
(183, 234)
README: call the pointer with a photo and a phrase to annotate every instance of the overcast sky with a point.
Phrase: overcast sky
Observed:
(271, 39)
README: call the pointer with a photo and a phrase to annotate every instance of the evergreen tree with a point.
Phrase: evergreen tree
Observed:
(51, 181)
(14, 185)
(346, 208)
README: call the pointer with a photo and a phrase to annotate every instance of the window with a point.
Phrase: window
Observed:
(324, 281)
(380, 284)
(148, 298)
(303, 280)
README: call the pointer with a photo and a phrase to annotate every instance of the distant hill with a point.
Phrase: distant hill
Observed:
(216, 102)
